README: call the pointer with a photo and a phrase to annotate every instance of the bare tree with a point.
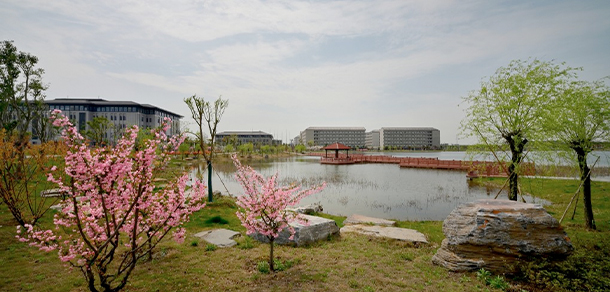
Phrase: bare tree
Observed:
(210, 114)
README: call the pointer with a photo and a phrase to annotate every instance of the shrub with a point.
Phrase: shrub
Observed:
(217, 220)
(210, 247)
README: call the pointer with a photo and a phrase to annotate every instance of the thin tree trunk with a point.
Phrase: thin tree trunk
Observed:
(513, 182)
(210, 191)
(271, 267)
(586, 188)
(90, 279)
(516, 144)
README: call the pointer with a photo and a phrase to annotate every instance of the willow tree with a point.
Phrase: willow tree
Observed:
(207, 114)
(581, 117)
(506, 113)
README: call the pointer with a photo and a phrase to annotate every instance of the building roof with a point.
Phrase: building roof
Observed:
(337, 128)
(410, 128)
(243, 133)
(103, 102)
(337, 146)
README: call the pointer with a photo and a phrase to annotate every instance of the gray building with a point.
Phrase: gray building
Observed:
(409, 137)
(321, 136)
(371, 139)
(122, 114)
(243, 137)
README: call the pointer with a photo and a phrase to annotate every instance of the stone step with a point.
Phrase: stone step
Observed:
(403, 234)
(360, 219)
(219, 237)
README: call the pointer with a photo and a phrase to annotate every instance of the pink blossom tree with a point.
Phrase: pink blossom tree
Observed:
(262, 207)
(113, 216)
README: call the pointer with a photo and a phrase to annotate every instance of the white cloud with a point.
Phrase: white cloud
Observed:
(271, 58)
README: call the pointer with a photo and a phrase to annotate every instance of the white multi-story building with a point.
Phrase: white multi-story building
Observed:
(371, 139)
(243, 137)
(409, 137)
(322, 136)
(122, 114)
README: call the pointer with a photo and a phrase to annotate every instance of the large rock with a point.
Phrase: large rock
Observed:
(309, 209)
(318, 229)
(494, 234)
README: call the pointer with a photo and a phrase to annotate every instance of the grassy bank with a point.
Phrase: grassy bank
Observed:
(346, 263)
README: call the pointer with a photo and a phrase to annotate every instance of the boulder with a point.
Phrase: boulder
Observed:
(495, 234)
(318, 229)
(309, 209)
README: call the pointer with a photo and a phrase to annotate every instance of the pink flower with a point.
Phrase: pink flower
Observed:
(262, 207)
(113, 200)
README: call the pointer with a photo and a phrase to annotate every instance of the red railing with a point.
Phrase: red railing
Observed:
(474, 168)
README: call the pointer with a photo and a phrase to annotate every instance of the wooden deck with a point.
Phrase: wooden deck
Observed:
(338, 161)
(474, 168)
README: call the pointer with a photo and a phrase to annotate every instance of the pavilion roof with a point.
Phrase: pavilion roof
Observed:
(337, 146)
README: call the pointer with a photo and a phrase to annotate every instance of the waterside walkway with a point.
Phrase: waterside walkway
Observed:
(474, 168)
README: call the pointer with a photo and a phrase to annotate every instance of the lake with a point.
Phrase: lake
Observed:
(377, 190)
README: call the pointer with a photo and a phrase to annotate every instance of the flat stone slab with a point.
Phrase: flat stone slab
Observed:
(359, 219)
(51, 193)
(318, 229)
(219, 237)
(403, 234)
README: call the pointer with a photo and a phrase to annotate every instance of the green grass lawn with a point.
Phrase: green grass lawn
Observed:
(346, 263)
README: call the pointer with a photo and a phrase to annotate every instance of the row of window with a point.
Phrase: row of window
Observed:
(131, 109)
(406, 138)
(402, 132)
(246, 136)
(336, 138)
(112, 117)
(338, 132)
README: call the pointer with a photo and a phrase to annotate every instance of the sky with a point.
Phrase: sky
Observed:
(288, 65)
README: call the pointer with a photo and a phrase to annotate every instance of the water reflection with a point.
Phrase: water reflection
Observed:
(378, 190)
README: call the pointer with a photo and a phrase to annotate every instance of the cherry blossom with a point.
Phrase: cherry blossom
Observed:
(262, 207)
(113, 215)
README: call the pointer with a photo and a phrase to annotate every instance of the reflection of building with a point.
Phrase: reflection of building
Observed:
(243, 137)
(321, 136)
(409, 137)
(122, 114)
(371, 139)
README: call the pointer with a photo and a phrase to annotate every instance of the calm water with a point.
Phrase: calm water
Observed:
(377, 190)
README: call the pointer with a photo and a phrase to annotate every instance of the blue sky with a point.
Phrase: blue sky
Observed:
(288, 65)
